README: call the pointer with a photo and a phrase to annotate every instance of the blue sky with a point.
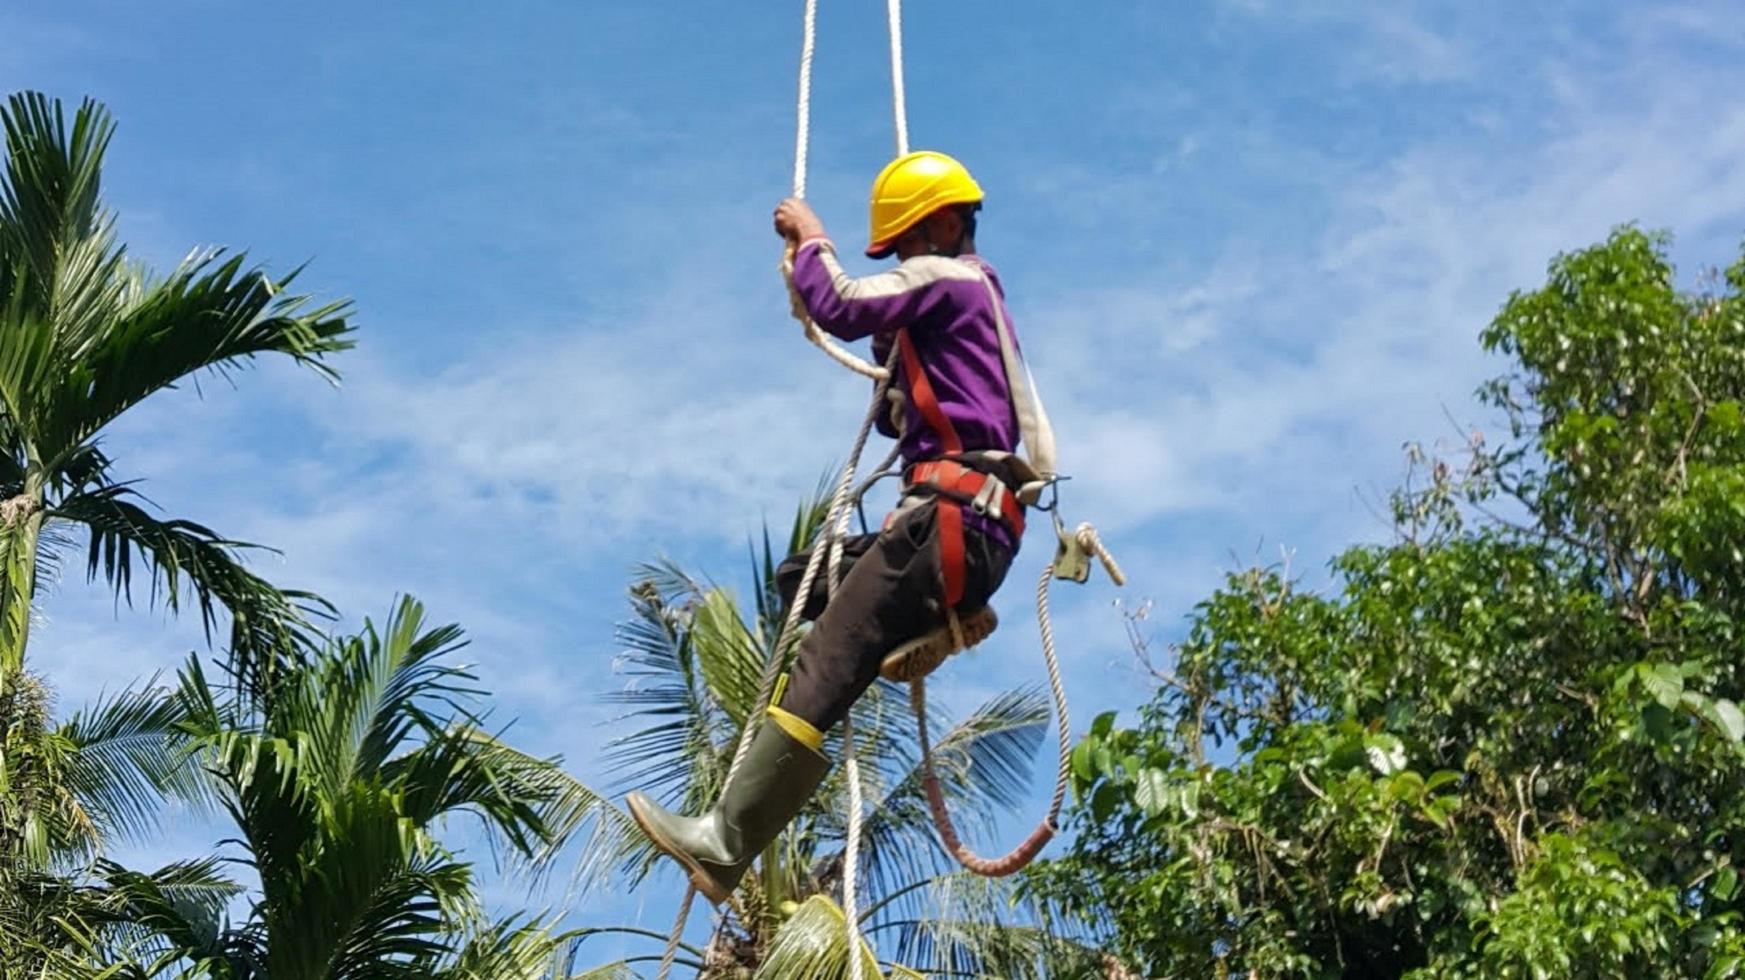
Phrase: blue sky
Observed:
(1249, 246)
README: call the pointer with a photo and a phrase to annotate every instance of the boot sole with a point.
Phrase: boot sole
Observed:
(923, 655)
(701, 879)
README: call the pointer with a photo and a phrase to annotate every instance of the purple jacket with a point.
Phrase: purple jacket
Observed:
(951, 323)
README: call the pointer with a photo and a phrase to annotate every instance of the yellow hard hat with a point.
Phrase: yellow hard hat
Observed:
(910, 188)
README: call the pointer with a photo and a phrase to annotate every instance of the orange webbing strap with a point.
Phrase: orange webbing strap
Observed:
(921, 390)
(950, 516)
(970, 486)
(951, 550)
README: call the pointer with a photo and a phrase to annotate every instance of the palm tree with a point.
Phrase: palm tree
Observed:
(338, 778)
(70, 791)
(694, 661)
(85, 335)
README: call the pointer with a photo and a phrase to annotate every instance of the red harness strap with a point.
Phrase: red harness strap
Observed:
(921, 390)
(966, 485)
(953, 479)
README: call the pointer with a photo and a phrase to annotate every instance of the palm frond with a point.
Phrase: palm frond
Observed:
(368, 902)
(807, 523)
(513, 950)
(51, 191)
(88, 466)
(165, 923)
(972, 926)
(813, 945)
(530, 803)
(369, 694)
(608, 971)
(679, 757)
(207, 315)
(183, 902)
(129, 755)
(183, 559)
(728, 654)
(261, 785)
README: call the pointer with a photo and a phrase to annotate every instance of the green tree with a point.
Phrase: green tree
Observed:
(693, 659)
(339, 778)
(85, 334)
(1507, 744)
(69, 791)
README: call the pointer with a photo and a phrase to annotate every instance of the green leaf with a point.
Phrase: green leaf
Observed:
(1084, 761)
(1386, 753)
(1347, 754)
(1407, 787)
(1104, 801)
(1664, 683)
(1725, 884)
(1727, 716)
(1190, 801)
(1151, 791)
(1657, 721)
(1103, 724)
(1439, 779)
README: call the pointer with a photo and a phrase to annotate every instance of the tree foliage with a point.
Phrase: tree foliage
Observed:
(86, 334)
(1508, 743)
(340, 783)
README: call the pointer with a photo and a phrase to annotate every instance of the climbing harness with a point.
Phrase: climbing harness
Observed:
(949, 479)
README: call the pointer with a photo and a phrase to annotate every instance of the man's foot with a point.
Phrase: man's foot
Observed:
(923, 655)
(778, 776)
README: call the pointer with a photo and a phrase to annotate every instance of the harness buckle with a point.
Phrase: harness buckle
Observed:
(986, 502)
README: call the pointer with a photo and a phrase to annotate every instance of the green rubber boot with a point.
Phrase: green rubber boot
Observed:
(778, 776)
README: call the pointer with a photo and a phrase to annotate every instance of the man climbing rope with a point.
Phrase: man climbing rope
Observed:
(917, 590)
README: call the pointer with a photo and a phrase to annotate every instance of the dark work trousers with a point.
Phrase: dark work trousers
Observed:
(891, 593)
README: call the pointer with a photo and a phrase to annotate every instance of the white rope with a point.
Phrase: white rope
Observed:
(851, 855)
(894, 9)
(825, 547)
(678, 933)
(850, 767)
(803, 127)
(802, 144)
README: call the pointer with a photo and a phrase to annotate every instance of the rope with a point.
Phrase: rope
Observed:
(672, 942)
(803, 128)
(894, 11)
(802, 144)
(826, 547)
(850, 760)
(837, 516)
(850, 764)
(851, 854)
(1026, 852)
